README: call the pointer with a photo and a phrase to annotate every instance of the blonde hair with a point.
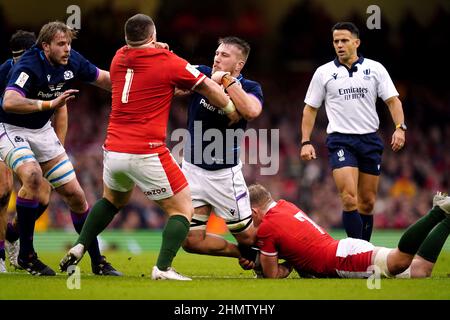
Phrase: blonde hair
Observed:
(49, 30)
(259, 196)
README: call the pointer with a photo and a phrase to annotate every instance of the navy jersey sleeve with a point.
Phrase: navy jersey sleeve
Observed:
(86, 71)
(254, 88)
(21, 78)
(205, 70)
(4, 71)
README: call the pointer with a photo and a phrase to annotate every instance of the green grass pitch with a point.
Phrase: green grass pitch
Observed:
(214, 278)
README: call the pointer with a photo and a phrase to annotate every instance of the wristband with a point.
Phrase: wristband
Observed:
(227, 80)
(229, 108)
(44, 105)
(304, 143)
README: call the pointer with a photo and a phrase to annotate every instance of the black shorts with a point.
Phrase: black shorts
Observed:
(362, 151)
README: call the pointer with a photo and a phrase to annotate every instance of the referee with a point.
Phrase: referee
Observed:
(350, 85)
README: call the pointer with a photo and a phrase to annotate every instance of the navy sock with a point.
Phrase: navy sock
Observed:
(12, 230)
(2, 250)
(12, 233)
(352, 223)
(78, 223)
(26, 215)
(367, 226)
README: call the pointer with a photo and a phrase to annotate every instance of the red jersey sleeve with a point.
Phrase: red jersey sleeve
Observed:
(184, 75)
(266, 239)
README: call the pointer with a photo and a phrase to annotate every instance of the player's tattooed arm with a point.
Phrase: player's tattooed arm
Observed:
(14, 102)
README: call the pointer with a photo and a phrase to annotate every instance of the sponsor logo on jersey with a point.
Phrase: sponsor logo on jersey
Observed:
(22, 79)
(68, 74)
(209, 106)
(192, 70)
(334, 75)
(18, 139)
(57, 88)
(340, 154)
(50, 95)
(351, 90)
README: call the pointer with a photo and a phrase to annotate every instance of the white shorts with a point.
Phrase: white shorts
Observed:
(43, 142)
(157, 175)
(353, 258)
(224, 190)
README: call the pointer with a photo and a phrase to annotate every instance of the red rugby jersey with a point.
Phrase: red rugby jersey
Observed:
(287, 231)
(143, 82)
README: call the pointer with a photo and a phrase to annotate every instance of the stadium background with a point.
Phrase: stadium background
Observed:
(289, 40)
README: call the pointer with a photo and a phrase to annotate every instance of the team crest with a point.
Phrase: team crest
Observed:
(68, 74)
(366, 74)
(340, 154)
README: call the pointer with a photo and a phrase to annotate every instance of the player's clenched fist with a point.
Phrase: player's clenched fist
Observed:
(218, 75)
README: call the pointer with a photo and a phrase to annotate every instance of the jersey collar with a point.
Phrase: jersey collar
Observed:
(273, 204)
(353, 68)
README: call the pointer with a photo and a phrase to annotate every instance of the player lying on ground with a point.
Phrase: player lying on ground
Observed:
(286, 232)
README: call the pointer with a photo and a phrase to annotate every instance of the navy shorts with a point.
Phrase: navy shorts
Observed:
(362, 151)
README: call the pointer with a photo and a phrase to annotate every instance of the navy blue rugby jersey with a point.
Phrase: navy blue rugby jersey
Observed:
(202, 150)
(34, 77)
(4, 71)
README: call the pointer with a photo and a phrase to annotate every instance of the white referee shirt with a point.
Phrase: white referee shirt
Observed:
(350, 94)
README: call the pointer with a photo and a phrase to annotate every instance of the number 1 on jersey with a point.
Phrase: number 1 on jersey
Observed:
(127, 85)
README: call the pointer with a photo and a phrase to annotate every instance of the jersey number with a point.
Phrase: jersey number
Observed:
(301, 216)
(127, 85)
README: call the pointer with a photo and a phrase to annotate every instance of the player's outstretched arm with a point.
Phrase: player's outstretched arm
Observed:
(14, 102)
(103, 80)
(272, 269)
(247, 104)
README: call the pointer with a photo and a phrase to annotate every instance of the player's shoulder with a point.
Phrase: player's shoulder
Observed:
(30, 61)
(372, 63)
(250, 83)
(203, 69)
(75, 57)
(6, 66)
(330, 65)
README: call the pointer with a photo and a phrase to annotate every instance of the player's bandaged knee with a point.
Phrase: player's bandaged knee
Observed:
(19, 156)
(61, 173)
(239, 226)
(381, 262)
(199, 222)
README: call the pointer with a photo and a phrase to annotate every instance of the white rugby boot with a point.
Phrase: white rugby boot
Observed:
(170, 274)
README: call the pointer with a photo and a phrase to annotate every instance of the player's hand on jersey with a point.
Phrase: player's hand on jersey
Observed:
(161, 45)
(398, 140)
(218, 75)
(308, 152)
(63, 98)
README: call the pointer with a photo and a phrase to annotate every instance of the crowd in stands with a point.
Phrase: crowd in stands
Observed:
(409, 177)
